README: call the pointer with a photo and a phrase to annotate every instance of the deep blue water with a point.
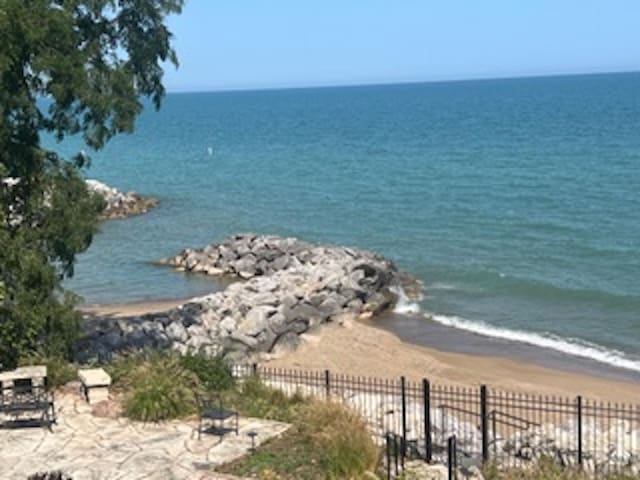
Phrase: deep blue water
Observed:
(516, 201)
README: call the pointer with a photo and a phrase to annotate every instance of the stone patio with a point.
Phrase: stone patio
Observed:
(89, 447)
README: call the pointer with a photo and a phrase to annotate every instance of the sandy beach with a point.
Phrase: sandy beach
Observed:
(363, 348)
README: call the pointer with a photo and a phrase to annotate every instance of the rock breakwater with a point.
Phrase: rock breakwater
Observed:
(286, 287)
(120, 204)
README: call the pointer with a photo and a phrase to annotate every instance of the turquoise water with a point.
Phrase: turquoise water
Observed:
(515, 201)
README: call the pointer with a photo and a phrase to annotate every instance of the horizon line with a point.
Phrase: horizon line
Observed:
(401, 82)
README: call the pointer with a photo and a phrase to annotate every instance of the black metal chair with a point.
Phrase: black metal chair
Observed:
(213, 417)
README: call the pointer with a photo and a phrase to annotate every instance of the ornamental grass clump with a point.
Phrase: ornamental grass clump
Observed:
(253, 398)
(326, 441)
(59, 370)
(156, 387)
(214, 374)
(341, 437)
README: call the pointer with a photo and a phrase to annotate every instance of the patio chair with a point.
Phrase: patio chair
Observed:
(214, 417)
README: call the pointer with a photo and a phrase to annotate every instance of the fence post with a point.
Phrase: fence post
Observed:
(579, 412)
(426, 399)
(484, 423)
(452, 461)
(494, 430)
(327, 386)
(395, 452)
(403, 390)
(388, 456)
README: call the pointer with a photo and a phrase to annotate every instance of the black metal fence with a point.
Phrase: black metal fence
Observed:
(509, 429)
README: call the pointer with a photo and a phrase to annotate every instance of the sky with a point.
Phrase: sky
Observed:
(255, 44)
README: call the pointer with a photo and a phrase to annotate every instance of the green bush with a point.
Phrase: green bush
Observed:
(59, 371)
(123, 369)
(326, 441)
(341, 437)
(214, 374)
(253, 398)
(156, 386)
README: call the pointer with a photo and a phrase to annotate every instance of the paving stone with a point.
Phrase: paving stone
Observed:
(96, 448)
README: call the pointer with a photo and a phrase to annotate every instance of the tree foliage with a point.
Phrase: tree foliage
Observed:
(67, 67)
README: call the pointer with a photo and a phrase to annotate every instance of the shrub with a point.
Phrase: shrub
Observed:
(327, 441)
(214, 374)
(156, 386)
(255, 399)
(123, 369)
(59, 371)
(342, 438)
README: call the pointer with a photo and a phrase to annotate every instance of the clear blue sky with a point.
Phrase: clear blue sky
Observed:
(225, 44)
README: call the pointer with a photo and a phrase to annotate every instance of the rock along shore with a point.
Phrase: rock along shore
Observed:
(120, 204)
(286, 287)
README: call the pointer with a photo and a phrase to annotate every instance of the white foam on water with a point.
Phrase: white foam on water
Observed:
(441, 286)
(571, 346)
(404, 304)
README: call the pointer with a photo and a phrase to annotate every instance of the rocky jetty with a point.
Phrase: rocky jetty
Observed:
(286, 288)
(120, 204)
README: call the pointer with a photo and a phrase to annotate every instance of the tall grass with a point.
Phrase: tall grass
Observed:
(214, 374)
(59, 370)
(326, 441)
(252, 398)
(342, 438)
(156, 387)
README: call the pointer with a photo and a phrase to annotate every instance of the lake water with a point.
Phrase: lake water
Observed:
(515, 201)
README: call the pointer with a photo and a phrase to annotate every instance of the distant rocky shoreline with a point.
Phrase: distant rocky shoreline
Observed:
(120, 204)
(286, 287)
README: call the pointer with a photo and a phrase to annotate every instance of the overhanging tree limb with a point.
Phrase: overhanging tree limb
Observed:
(67, 67)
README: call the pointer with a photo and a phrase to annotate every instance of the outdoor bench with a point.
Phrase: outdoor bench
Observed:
(24, 398)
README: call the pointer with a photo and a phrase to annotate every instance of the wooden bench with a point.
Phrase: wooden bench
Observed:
(24, 398)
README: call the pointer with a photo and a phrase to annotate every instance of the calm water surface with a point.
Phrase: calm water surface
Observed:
(516, 201)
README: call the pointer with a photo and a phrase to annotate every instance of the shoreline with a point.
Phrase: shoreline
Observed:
(376, 348)
(419, 330)
(131, 308)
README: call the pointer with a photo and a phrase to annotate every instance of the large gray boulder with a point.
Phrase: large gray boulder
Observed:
(120, 204)
(286, 287)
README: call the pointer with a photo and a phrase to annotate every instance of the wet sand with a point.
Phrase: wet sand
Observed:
(131, 309)
(418, 330)
(376, 348)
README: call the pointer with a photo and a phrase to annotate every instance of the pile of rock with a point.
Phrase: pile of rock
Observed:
(609, 444)
(290, 287)
(120, 204)
(613, 444)
(418, 469)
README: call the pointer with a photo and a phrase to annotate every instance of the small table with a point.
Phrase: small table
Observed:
(95, 384)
